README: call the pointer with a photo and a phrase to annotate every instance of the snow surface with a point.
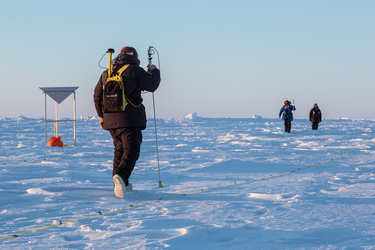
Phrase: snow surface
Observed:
(227, 184)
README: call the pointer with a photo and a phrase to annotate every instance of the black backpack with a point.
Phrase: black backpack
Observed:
(114, 98)
(317, 115)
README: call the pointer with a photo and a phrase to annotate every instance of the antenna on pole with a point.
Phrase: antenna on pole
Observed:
(151, 50)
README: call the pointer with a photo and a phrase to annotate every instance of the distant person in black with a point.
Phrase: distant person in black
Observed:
(315, 116)
(287, 114)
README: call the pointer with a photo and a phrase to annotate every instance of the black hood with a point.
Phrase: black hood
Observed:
(122, 59)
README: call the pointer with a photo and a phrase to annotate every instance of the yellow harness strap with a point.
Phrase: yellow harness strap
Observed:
(123, 68)
(119, 72)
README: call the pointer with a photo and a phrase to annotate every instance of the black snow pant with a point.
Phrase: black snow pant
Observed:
(288, 125)
(127, 142)
(315, 125)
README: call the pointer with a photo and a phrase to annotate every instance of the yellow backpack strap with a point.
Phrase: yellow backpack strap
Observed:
(119, 72)
(122, 69)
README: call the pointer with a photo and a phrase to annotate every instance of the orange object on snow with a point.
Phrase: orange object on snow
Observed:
(55, 142)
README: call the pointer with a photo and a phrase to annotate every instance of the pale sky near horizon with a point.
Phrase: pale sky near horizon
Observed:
(218, 58)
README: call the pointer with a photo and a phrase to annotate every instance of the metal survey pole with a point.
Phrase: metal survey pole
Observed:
(56, 125)
(74, 104)
(45, 117)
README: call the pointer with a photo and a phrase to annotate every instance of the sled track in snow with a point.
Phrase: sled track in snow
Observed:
(175, 195)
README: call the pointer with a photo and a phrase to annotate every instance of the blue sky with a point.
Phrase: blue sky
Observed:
(218, 58)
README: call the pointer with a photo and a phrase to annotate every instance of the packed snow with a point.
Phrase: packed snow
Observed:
(227, 184)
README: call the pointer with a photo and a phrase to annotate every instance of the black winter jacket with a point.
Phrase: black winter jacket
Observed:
(315, 115)
(136, 79)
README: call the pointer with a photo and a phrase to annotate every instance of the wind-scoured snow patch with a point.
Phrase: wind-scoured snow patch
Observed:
(94, 234)
(266, 130)
(39, 191)
(79, 155)
(4, 211)
(227, 137)
(274, 197)
(182, 231)
(358, 190)
(269, 197)
(241, 143)
(39, 180)
(49, 162)
(199, 149)
(247, 137)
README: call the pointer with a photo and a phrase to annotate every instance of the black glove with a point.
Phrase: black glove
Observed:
(151, 67)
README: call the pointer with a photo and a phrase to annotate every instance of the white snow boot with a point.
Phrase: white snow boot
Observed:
(120, 188)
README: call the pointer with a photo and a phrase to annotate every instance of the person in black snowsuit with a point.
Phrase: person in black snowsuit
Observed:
(287, 115)
(315, 116)
(126, 126)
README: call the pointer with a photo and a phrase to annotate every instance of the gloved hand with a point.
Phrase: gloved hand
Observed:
(101, 122)
(151, 67)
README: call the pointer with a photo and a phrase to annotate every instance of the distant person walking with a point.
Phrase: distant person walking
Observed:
(315, 116)
(126, 119)
(287, 115)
